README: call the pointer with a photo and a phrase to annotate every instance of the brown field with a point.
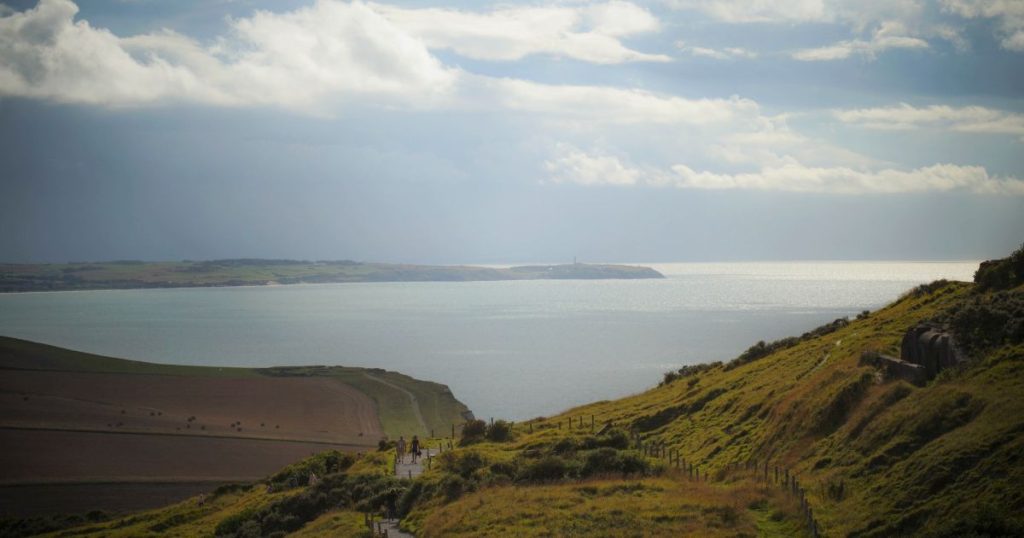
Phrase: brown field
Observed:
(163, 437)
(300, 408)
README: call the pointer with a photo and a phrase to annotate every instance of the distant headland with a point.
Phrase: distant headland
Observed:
(130, 274)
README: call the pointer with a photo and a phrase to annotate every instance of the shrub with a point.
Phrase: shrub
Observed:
(1001, 274)
(409, 498)
(545, 469)
(322, 464)
(462, 463)
(565, 445)
(505, 468)
(473, 431)
(927, 289)
(985, 321)
(452, 487)
(224, 489)
(762, 349)
(499, 432)
(688, 371)
(231, 524)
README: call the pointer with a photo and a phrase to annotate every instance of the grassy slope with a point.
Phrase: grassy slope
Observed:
(437, 404)
(112, 275)
(190, 518)
(912, 460)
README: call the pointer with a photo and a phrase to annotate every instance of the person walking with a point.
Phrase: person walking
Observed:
(415, 449)
(400, 449)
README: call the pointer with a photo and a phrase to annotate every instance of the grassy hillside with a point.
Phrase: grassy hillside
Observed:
(255, 272)
(875, 456)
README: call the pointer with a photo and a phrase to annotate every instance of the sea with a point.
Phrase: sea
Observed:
(513, 349)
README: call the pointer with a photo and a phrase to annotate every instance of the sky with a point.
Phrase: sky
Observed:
(467, 132)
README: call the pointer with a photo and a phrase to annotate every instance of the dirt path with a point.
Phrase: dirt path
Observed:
(412, 399)
(829, 354)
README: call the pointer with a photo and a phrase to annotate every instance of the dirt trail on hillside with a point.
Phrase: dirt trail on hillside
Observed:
(412, 399)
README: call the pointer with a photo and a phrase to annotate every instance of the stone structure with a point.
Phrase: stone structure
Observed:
(926, 350)
(931, 347)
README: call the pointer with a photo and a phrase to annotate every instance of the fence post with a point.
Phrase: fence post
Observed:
(453, 431)
(591, 422)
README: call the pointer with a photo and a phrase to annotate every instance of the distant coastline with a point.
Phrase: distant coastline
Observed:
(259, 272)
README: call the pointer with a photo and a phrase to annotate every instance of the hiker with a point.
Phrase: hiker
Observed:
(400, 449)
(415, 451)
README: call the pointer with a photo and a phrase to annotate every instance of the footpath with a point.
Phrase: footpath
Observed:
(405, 469)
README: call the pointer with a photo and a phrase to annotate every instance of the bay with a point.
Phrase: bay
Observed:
(514, 349)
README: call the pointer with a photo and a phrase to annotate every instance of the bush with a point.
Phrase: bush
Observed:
(224, 489)
(762, 349)
(499, 432)
(473, 431)
(927, 289)
(462, 463)
(688, 371)
(322, 464)
(1001, 274)
(409, 498)
(565, 445)
(986, 321)
(362, 492)
(452, 486)
(547, 468)
(505, 468)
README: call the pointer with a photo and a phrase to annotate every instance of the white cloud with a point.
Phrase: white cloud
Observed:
(570, 165)
(968, 119)
(327, 52)
(890, 35)
(1008, 13)
(727, 53)
(752, 11)
(792, 176)
(607, 105)
(916, 22)
(591, 32)
(786, 174)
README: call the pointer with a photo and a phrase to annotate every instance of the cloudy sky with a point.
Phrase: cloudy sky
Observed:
(466, 132)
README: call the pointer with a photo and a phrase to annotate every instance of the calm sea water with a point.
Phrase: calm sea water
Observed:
(507, 349)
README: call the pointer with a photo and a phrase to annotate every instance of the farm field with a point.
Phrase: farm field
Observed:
(82, 427)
